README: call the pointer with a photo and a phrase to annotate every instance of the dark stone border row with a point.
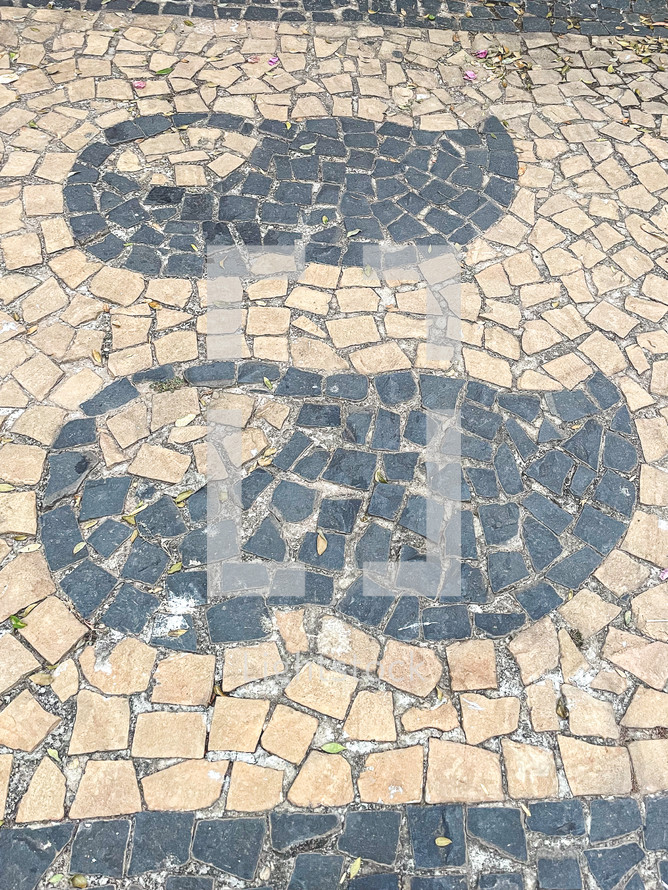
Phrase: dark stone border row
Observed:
(313, 851)
(609, 17)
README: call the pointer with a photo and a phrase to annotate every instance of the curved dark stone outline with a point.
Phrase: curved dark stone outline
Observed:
(327, 177)
(134, 603)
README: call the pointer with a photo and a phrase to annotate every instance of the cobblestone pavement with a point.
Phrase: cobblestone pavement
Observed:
(348, 704)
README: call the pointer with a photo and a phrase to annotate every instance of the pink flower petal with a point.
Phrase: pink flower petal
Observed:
(470, 75)
(139, 84)
(274, 60)
(664, 575)
(481, 54)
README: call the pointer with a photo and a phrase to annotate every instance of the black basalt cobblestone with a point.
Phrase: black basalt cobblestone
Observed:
(443, 187)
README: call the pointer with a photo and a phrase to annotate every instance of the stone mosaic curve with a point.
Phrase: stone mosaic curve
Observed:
(337, 184)
(484, 494)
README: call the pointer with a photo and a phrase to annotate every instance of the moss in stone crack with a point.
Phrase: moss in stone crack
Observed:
(168, 385)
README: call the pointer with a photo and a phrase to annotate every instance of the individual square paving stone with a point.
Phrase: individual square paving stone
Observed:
(352, 468)
(499, 827)
(99, 848)
(656, 823)
(547, 512)
(145, 562)
(559, 818)
(187, 642)
(571, 406)
(507, 471)
(559, 874)
(596, 528)
(548, 433)
(296, 445)
(542, 544)
(312, 415)
(505, 567)
(386, 434)
(76, 432)
(357, 426)
(382, 882)
(586, 443)
(352, 387)
(231, 845)
(498, 624)
(464, 582)
(526, 407)
(290, 830)
(425, 824)
(366, 601)
(371, 835)
(109, 536)
(27, 853)
(460, 537)
(266, 542)
(294, 502)
(67, 470)
(539, 600)
(331, 559)
(404, 623)
(395, 387)
(439, 393)
(253, 485)
(194, 548)
(161, 519)
(479, 421)
(386, 500)
(618, 454)
(483, 481)
(446, 623)
(582, 479)
(160, 839)
(608, 866)
(500, 522)
(296, 382)
(603, 390)
(316, 871)
(104, 497)
(617, 492)
(118, 393)
(130, 610)
(60, 536)
(52, 629)
(400, 467)
(613, 818)
(573, 570)
(374, 547)
(422, 516)
(522, 442)
(551, 470)
(87, 586)
(237, 619)
(339, 514)
(311, 466)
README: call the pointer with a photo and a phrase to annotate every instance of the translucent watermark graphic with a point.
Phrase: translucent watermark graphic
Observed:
(334, 471)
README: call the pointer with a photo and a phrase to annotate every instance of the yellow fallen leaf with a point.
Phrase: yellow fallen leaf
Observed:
(185, 420)
(5, 486)
(78, 547)
(442, 841)
(177, 633)
(97, 356)
(320, 544)
(29, 548)
(355, 867)
(175, 568)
